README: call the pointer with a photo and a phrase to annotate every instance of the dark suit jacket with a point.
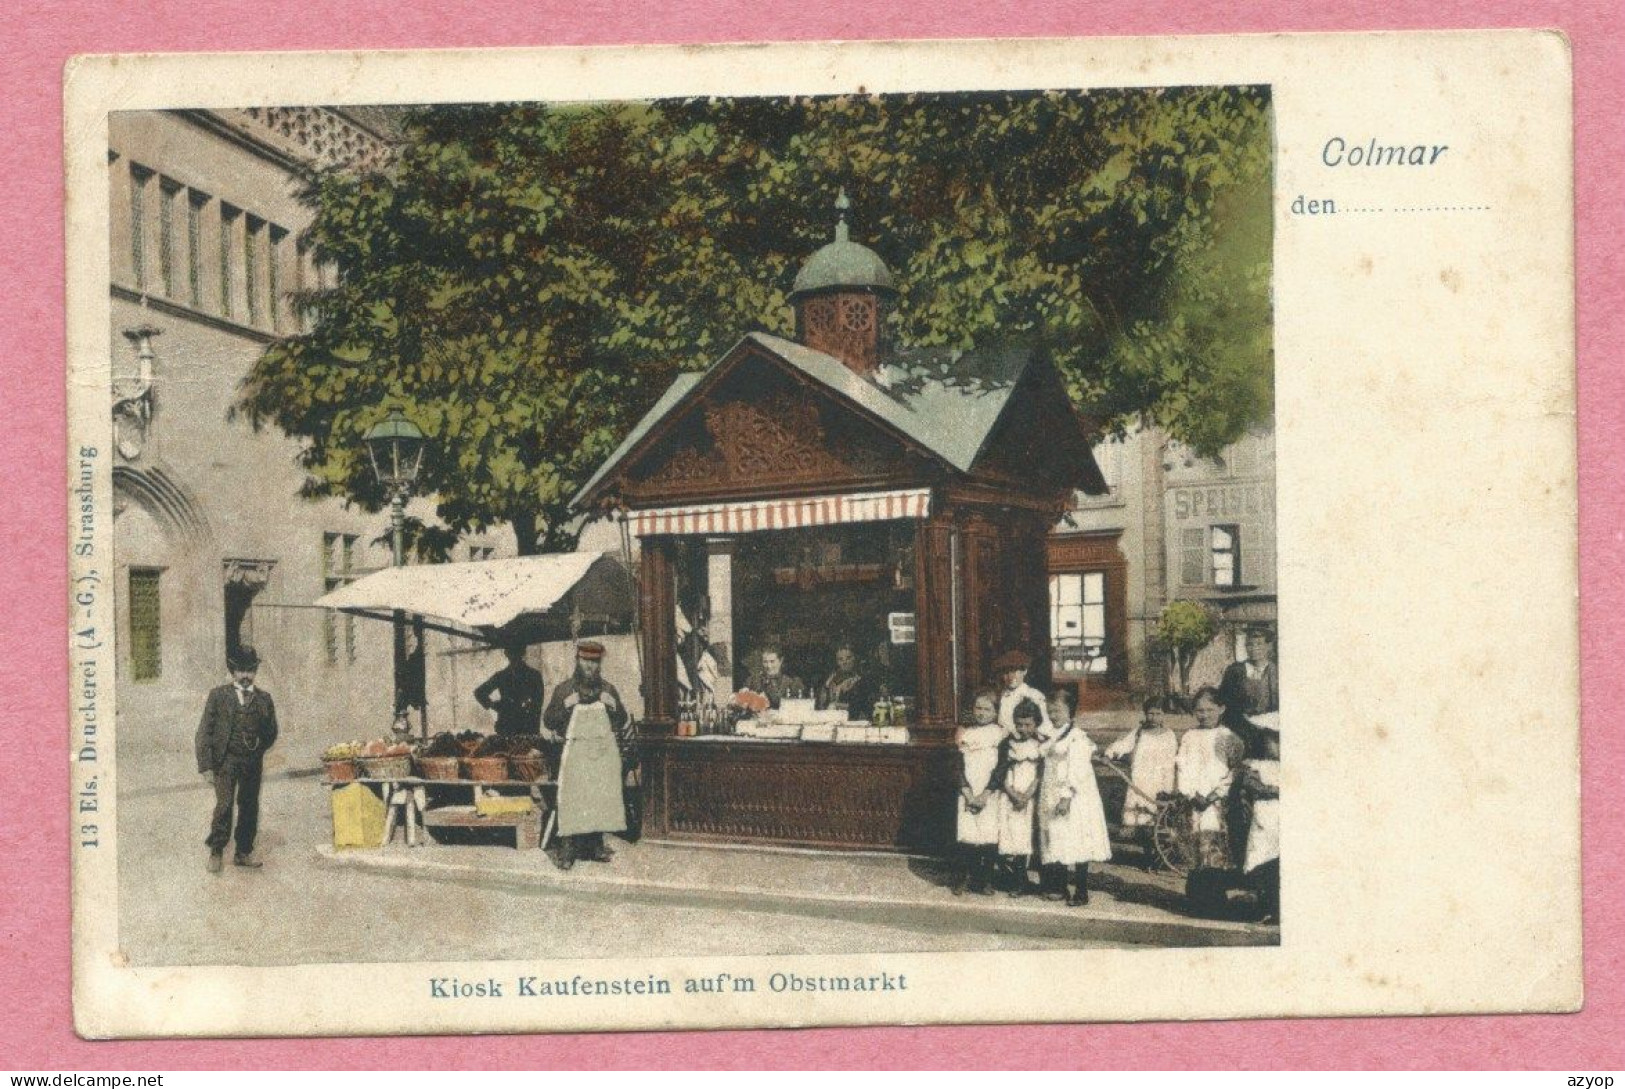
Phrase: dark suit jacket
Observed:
(1242, 697)
(221, 714)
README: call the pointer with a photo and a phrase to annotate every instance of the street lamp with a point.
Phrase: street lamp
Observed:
(395, 446)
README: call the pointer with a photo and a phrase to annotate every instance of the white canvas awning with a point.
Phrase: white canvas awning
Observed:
(484, 597)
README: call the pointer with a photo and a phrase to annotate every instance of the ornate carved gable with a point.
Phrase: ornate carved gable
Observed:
(758, 431)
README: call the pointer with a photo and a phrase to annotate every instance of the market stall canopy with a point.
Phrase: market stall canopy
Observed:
(525, 599)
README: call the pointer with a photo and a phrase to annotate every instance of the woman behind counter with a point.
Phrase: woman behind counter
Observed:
(771, 680)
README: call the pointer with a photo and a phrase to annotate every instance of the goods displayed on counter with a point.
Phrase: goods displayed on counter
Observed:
(446, 757)
(749, 714)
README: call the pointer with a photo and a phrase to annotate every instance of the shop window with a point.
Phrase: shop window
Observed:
(1225, 549)
(338, 569)
(146, 632)
(1077, 604)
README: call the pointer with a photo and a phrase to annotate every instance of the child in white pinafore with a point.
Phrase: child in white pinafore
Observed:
(1019, 756)
(1071, 817)
(1151, 749)
(978, 792)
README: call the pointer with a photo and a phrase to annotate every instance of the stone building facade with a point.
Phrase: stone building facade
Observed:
(212, 541)
(1173, 526)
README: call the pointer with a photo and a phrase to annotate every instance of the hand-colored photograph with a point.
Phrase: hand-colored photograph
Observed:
(716, 525)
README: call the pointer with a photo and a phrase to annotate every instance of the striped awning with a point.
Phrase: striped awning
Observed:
(825, 510)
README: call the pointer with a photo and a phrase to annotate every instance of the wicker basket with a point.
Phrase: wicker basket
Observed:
(486, 769)
(339, 771)
(530, 767)
(387, 767)
(438, 767)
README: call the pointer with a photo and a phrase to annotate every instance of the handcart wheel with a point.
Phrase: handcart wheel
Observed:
(1174, 836)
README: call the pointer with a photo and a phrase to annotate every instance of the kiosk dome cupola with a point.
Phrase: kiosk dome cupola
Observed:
(841, 296)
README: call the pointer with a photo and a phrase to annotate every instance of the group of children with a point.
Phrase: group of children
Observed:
(1028, 796)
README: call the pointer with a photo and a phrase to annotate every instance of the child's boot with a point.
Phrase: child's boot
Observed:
(1080, 885)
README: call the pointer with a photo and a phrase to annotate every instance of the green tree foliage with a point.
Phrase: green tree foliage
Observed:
(1182, 630)
(526, 280)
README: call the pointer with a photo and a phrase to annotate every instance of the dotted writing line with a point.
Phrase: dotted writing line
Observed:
(1429, 208)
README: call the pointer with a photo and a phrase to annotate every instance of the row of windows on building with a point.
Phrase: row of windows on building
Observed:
(205, 253)
(339, 568)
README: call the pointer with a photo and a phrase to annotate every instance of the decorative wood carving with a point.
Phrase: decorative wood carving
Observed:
(778, 441)
(860, 796)
(781, 438)
(846, 326)
(935, 649)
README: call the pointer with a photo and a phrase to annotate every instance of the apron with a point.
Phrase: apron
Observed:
(590, 797)
(1264, 835)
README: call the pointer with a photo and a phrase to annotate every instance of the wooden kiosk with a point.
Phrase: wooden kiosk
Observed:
(810, 494)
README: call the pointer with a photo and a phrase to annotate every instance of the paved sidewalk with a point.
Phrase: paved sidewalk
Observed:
(1126, 905)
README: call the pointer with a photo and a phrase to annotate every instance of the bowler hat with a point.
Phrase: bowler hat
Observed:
(245, 657)
(1012, 659)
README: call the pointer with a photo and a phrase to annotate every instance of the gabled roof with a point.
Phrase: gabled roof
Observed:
(944, 402)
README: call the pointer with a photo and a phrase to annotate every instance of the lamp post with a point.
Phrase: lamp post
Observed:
(395, 446)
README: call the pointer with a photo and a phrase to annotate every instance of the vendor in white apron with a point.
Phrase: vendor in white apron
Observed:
(588, 716)
(1262, 784)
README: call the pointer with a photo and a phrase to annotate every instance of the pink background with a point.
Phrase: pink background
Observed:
(37, 1029)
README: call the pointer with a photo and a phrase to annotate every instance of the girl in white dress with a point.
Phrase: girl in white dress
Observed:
(978, 790)
(1019, 757)
(1150, 749)
(1209, 755)
(1071, 818)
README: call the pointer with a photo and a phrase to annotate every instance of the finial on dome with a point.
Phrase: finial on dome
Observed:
(841, 206)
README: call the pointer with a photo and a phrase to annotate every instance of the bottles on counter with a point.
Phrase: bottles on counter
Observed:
(699, 716)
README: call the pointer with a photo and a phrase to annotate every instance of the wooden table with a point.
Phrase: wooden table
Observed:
(406, 801)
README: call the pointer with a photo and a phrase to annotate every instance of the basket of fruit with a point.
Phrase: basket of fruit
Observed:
(338, 762)
(440, 757)
(486, 769)
(530, 765)
(438, 767)
(386, 760)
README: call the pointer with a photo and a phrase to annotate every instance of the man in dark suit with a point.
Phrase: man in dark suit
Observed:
(239, 725)
(1248, 689)
(1251, 687)
(515, 694)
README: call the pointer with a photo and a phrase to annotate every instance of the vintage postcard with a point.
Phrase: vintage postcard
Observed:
(823, 535)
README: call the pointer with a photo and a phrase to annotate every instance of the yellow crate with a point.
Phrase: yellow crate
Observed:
(494, 805)
(358, 817)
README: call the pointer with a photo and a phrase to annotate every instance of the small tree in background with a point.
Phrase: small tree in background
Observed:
(1183, 629)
